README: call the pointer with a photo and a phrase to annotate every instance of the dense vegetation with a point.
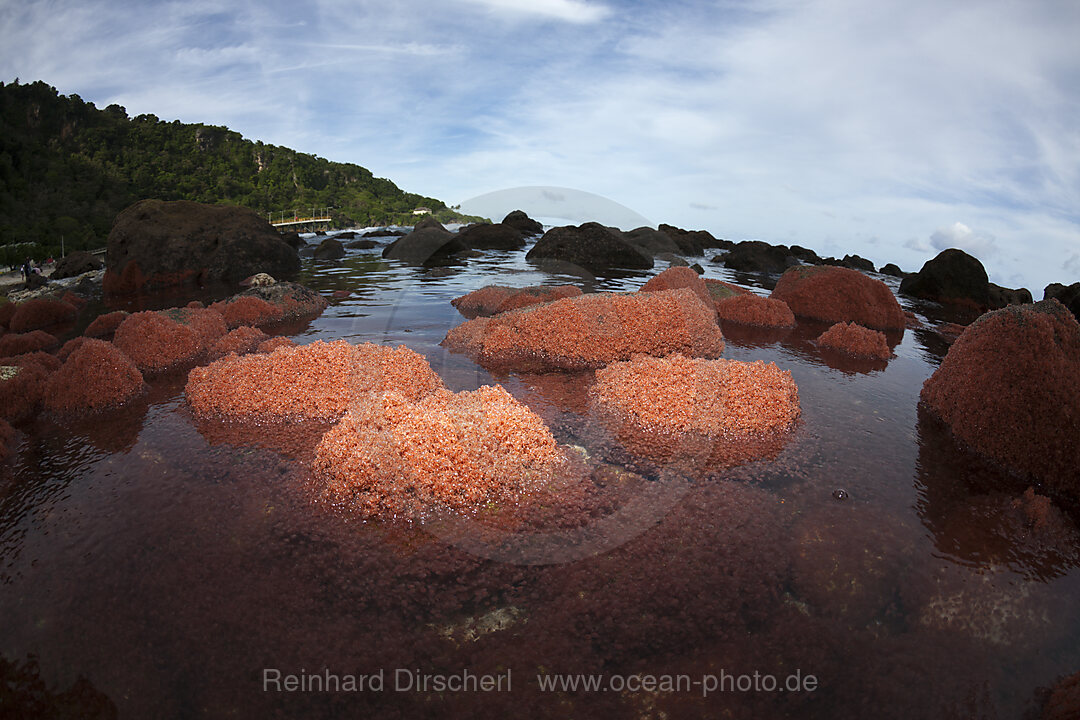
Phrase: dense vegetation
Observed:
(67, 168)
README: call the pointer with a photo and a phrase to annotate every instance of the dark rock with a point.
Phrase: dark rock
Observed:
(347, 235)
(306, 252)
(672, 259)
(652, 242)
(953, 276)
(384, 233)
(155, 244)
(804, 254)
(297, 302)
(523, 223)
(483, 236)
(293, 239)
(757, 256)
(693, 242)
(591, 246)
(330, 249)
(75, 264)
(35, 281)
(362, 245)
(1069, 296)
(830, 261)
(429, 222)
(426, 246)
(1002, 297)
(891, 269)
(696, 267)
(858, 263)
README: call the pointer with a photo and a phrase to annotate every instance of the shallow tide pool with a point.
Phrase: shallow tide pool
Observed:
(868, 568)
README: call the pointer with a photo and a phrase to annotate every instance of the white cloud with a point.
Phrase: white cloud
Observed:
(959, 235)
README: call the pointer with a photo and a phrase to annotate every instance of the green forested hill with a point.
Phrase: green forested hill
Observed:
(67, 168)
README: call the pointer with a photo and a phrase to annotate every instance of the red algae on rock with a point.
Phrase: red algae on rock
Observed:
(241, 341)
(591, 331)
(20, 343)
(20, 391)
(397, 458)
(247, 310)
(713, 397)
(839, 294)
(854, 339)
(320, 381)
(1009, 389)
(157, 343)
(750, 309)
(96, 376)
(40, 313)
(105, 325)
(1063, 700)
(678, 277)
(495, 299)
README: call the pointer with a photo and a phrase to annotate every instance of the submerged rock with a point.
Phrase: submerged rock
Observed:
(400, 458)
(156, 244)
(590, 331)
(95, 376)
(854, 339)
(494, 299)
(1009, 389)
(836, 294)
(320, 381)
(750, 309)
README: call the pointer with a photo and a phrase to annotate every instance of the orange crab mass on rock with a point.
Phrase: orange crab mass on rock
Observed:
(494, 299)
(1009, 389)
(678, 277)
(396, 458)
(97, 375)
(591, 331)
(839, 294)
(157, 343)
(713, 397)
(750, 309)
(320, 381)
(854, 339)
(247, 310)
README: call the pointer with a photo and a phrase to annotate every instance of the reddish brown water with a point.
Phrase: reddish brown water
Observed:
(177, 565)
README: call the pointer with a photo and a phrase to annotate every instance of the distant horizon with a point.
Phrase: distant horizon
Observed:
(891, 133)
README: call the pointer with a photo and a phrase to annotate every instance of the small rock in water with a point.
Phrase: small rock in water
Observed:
(840, 494)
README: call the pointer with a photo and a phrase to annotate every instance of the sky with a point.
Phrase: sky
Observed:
(888, 128)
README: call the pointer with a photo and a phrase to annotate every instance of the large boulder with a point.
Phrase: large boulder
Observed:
(693, 242)
(951, 277)
(492, 237)
(837, 294)
(1069, 296)
(652, 242)
(428, 245)
(1002, 297)
(329, 249)
(856, 262)
(590, 246)
(590, 331)
(524, 224)
(74, 264)
(155, 244)
(1009, 389)
(758, 256)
